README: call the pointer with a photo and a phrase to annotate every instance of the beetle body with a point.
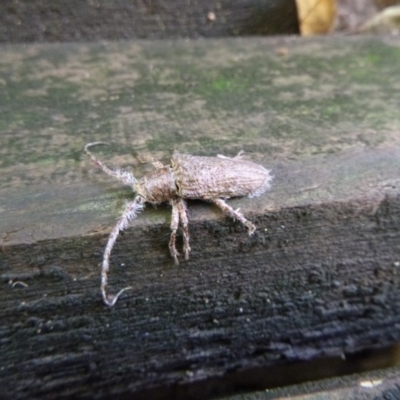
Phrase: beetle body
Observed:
(208, 178)
(213, 179)
(157, 187)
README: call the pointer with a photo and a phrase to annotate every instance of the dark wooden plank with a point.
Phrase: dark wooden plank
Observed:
(319, 278)
(372, 385)
(30, 21)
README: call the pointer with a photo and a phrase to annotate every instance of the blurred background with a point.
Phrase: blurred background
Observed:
(26, 21)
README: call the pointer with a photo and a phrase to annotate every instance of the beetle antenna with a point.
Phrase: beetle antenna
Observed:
(130, 212)
(124, 176)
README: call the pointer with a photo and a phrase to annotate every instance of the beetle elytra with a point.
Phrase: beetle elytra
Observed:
(212, 179)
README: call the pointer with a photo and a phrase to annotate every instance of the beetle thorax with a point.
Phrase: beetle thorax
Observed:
(157, 186)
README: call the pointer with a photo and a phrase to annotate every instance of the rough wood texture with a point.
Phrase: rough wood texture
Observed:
(82, 21)
(319, 278)
(373, 385)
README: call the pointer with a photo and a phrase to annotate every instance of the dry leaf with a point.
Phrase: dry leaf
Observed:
(386, 22)
(316, 16)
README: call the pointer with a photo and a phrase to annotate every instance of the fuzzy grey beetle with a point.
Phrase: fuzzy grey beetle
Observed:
(188, 177)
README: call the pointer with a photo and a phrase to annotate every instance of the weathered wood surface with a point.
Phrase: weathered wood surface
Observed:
(27, 21)
(373, 385)
(319, 278)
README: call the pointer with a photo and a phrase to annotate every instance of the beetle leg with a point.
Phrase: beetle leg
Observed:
(185, 226)
(131, 210)
(174, 227)
(235, 214)
(237, 157)
(157, 164)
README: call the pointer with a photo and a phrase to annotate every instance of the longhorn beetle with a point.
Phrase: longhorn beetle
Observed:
(212, 179)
